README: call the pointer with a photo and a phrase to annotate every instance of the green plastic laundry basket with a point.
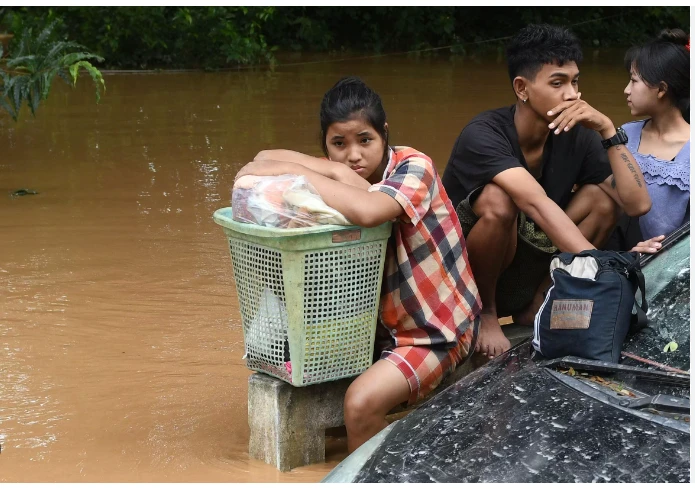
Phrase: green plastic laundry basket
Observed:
(309, 297)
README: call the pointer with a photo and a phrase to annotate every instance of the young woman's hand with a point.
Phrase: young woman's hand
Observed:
(577, 111)
(649, 246)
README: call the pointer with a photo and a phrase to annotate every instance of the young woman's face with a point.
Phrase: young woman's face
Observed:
(641, 99)
(357, 144)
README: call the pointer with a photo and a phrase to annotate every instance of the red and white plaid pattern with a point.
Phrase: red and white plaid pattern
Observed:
(429, 297)
(424, 367)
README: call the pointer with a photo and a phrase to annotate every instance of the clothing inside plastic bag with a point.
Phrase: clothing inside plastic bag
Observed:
(284, 201)
(266, 335)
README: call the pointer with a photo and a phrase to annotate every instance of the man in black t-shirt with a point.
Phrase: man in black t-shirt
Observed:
(547, 173)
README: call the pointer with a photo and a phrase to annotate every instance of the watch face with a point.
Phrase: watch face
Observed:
(623, 135)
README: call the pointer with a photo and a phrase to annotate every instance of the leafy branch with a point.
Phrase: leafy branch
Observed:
(27, 75)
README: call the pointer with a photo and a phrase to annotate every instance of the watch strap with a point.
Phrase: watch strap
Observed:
(618, 138)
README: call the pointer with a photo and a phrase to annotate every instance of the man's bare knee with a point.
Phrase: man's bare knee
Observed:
(494, 203)
(603, 204)
(595, 213)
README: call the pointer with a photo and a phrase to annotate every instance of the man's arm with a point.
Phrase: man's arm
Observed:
(529, 197)
(363, 208)
(626, 186)
(327, 168)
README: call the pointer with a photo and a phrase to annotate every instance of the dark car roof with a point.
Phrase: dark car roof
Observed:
(513, 421)
(520, 420)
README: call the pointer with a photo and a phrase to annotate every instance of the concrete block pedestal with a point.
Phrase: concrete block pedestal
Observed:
(288, 423)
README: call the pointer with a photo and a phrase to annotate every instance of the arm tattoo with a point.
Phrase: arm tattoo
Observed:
(631, 167)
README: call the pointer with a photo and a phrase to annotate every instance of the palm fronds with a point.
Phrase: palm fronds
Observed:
(26, 76)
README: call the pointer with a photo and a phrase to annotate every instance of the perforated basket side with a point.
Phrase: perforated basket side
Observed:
(341, 299)
(258, 274)
(320, 314)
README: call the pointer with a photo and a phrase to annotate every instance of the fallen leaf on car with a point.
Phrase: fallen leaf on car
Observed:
(612, 385)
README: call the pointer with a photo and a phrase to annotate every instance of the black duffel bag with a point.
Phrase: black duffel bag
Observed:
(587, 311)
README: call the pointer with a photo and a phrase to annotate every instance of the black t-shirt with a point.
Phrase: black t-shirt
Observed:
(489, 144)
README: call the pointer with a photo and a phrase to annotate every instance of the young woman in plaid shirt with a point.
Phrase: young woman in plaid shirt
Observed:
(429, 308)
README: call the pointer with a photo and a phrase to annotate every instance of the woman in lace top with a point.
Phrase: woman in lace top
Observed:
(659, 91)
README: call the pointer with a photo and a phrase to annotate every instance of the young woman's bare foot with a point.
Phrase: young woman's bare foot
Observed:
(491, 339)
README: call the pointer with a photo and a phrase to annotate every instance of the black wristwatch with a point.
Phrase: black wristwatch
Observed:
(619, 138)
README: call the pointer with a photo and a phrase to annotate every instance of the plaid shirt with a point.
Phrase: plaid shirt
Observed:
(428, 296)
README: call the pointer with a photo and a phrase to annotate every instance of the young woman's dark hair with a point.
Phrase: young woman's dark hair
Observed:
(350, 97)
(666, 60)
(539, 44)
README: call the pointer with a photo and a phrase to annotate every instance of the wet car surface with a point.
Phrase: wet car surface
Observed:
(521, 418)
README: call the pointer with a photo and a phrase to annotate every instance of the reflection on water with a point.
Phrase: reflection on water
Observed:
(119, 323)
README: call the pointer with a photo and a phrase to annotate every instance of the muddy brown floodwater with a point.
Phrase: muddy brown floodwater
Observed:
(120, 334)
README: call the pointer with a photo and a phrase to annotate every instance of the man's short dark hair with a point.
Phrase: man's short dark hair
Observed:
(538, 44)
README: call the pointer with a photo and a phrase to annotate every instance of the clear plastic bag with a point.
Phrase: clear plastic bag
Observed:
(284, 201)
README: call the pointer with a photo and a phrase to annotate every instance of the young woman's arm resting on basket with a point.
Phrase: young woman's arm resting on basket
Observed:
(327, 168)
(363, 208)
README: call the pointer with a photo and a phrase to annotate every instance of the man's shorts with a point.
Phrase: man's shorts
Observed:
(517, 284)
(425, 367)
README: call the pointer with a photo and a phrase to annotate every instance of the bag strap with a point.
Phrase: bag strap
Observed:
(639, 321)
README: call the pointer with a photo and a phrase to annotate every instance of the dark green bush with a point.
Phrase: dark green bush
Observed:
(152, 37)
(378, 29)
(219, 37)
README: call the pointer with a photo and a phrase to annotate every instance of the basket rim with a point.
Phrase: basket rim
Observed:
(223, 217)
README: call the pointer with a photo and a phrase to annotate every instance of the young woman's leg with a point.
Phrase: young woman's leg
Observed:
(405, 373)
(369, 399)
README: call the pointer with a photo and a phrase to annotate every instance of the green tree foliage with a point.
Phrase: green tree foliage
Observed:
(27, 75)
(171, 37)
(378, 29)
(220, 37)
